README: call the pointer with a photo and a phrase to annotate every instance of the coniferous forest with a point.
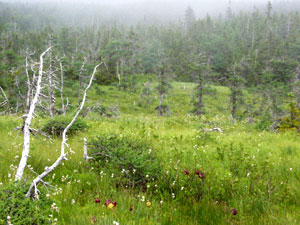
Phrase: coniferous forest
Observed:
(107, 118)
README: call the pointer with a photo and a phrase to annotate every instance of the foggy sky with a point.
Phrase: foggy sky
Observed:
(163, 10)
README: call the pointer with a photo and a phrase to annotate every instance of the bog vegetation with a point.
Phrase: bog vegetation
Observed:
(186, 123)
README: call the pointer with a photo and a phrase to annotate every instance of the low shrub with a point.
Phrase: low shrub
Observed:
(16, 209)
(101, 110)
(56, 126)
(292, 121)
(131, 160)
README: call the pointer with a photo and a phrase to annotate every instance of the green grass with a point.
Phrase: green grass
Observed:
(269, 194)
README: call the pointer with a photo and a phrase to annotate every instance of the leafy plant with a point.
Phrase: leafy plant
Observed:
(56, 126)
(19, 210)
(131, 160)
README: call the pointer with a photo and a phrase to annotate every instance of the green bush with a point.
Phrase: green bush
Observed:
(131, 160)
(19, 210)
(292, 121)
(104, 111)
(56, 126)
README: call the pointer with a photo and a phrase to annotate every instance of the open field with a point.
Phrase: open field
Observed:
(256, 172)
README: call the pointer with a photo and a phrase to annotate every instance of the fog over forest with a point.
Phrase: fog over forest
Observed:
(134, 11)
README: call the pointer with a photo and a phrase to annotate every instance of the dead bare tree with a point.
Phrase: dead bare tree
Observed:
(28, 119)
(85, 153)
(61, 89)
(51, 97)
(80, 80)
(5, 101)
(33, 191)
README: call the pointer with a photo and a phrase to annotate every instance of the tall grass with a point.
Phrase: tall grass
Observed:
(255, 172)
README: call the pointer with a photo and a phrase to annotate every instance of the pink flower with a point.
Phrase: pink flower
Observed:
(200, 174)
(107, 202)
(233, 211)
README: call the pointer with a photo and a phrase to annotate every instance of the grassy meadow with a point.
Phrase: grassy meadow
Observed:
(201, 176)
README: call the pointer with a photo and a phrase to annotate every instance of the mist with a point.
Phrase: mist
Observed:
(134, 11)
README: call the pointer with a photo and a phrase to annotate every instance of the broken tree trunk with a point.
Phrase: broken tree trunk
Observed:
(85, 153)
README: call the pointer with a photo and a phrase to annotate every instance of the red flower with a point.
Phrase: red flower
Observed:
(187, 172)
(131, 208)
(201, 175)
(233, 211)
(115, 204)
(97, 200)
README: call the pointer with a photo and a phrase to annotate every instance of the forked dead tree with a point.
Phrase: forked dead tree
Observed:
(33, 191)
(27, 122)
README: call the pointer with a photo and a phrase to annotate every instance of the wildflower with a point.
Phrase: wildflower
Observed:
(93, 220)
(53, 205)
(73, 202)
(187, 172)
(161, 202)
(173, 195)
(97, 200)
(115, 223)
(131, 208)
(201, 175)
(233, 211)
(148, 203)
(109, 204)
(291, 169)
